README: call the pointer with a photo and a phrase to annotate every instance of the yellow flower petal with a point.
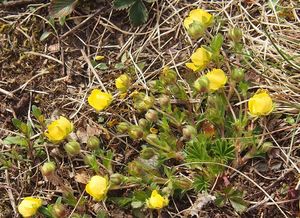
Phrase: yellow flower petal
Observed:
(260, 104)
(202, 16)
(99, 57)
(29, 206)
(97, 187)
(99, 100)
(156, 201)
(123, 83)
(59, 129)
(192, 66)
(201, 58)
(217, 79)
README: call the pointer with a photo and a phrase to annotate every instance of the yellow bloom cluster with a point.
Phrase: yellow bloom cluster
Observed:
(59, 129)
(260, 104)
(197, 22)
(156, 201)
(97, 187)
(29, 206)
(99, 100)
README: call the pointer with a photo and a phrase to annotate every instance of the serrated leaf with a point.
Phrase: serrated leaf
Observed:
(138, 13)
(62, 8)
(15, 140)
(123, 4)
(238, 204)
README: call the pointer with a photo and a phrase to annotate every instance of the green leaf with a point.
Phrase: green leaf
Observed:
(62, 8)
(200, 183)
(196, 151)
(138, 13)
(216, 43)
(15, 140)
(21, 126)
(123, 4)
(224, 150)
(36, 111)
(238, 204)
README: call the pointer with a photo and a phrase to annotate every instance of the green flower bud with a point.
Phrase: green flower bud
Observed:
(134, 169)
(166, 191)
(201, 84)
(48, 168)
(152, 139)
(143, 102)
(72, 148)
(164, 100)
(59, 211)
(135, 132)
(122, 127)
(237, 74)
(189, 132)
(89, 159)
(196, 30)
(168, 76)
(93, 142)
(116, 178)
(143, 123)
(151, 115)
(266, 146)
(147, 153)
(235, 34)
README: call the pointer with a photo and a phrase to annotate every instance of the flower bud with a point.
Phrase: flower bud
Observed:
(89, 159)
(166, 191)
(237, 74)
(168, 76)
(48, 168)
(135, 132)
(201, 84)
(266, 146)
(72, 148)
(189, 132)
(147, 153)
(152, 139)
(164, 100)
(143, 102)
(93, 142)
(143, 123)
(116, 178)
(59, 210)
(122, 127)
(151, 115)
(235, 34)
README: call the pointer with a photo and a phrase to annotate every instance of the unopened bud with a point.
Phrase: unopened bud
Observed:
(196, 30)
(135, 132)
(151, 115)
(237, 74)
(122, 127)
(72, 148)
(89, 159)
(164, 100)
(93, 142)
(266, 146)
(201, 84)
(152, 139)
(116, 178)
(143, 123)
(166, 191)
(189, 132)
(235, 34)
(147, 153)
(48, 168)
(59, 211)
(168, 76)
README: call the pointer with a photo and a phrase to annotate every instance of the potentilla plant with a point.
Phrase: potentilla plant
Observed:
(198, 132)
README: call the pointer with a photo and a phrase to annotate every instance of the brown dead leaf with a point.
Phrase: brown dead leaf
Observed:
(82, 177)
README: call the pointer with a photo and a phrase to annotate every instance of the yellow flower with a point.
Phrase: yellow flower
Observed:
(260, 104)
(197, 21)
(200, 60)
(29, 206)
(217, 79)
(99, 100)
(156, 201)
(97, 187)
(59, 129)
(123, 83)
